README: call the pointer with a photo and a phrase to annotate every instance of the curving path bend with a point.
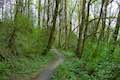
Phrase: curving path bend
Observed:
(48, 71)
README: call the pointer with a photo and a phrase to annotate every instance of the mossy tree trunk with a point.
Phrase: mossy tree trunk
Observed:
(51, 37)
(39, 13)
(82, 25)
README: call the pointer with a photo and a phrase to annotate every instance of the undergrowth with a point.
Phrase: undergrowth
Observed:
(23, 68)
(94, 65)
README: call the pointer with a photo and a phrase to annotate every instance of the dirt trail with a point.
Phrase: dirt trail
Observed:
(48, 71)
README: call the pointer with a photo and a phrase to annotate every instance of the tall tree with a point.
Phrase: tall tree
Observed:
(51, 37)
(43, 21)
(86, 24)
(39, 13)
(104, 15)
(48, 14)
(60, 24)
(18, 8)
(2, 10)
(115, 34)
(28, 8)
(81, 26)
(100, 16)
(65, 18)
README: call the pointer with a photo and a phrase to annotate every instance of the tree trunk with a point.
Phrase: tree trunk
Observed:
(102, 34)
(39, 13)
(100, 16)
(43, 23)
(86, 24)
(66, 29)
(11, 42)
(115, 34)
(29, 3)
(82, 24)
(48, 14)
(51, 37)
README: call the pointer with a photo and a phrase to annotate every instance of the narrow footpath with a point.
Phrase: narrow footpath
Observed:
(48, 71)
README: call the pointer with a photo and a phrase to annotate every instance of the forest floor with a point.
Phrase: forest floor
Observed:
(25, 67)
(50, 68)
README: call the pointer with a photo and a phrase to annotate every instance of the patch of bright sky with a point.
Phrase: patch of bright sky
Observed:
(112, 9)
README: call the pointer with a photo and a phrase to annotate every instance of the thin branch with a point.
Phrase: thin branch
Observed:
(92, 21)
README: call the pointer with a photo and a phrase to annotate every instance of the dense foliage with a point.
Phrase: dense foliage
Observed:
(81, 35)
(29, 43)
(93, 65)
